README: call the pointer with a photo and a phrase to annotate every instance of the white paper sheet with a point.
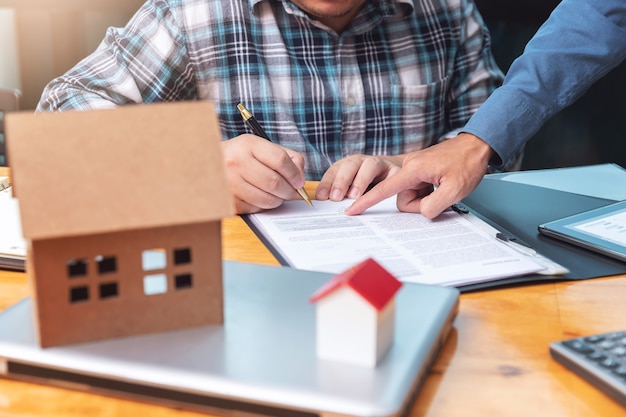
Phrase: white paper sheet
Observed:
(450, 250)
(12, 243)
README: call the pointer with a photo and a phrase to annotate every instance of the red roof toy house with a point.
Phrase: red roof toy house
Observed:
(355, 315)
(121, 209)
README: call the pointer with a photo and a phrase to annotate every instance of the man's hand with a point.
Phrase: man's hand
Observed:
(260, 174)
(454, 166)
(350, 176)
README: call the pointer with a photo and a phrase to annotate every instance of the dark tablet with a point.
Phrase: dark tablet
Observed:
(602, 230)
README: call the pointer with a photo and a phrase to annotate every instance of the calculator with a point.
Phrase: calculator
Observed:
(599, 358)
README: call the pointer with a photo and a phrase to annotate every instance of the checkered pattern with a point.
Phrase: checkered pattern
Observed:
(399, 78)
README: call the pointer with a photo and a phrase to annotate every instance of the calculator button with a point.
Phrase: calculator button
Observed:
(607, 344)
(578, 346)
(616, 336)
(609, 363)
(619, 351)
(596, 356)
(594, 339)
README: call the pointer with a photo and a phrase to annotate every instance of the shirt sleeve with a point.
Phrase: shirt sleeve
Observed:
(146, 61)
(581, 41)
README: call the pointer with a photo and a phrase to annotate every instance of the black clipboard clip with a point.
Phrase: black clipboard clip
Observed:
(550, 267)
(460, 208)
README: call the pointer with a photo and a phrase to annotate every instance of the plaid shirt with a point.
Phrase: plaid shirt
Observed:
(399, 78)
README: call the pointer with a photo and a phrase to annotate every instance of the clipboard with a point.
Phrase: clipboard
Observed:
(457, 249)
(520, 208)
(602, 230)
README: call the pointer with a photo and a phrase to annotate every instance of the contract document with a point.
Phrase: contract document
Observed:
(455, 249)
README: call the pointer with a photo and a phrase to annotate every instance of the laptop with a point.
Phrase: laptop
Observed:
(262, 361)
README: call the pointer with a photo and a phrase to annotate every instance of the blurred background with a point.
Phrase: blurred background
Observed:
(40, 39)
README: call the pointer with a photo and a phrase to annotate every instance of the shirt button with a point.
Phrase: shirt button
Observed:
(350, 101)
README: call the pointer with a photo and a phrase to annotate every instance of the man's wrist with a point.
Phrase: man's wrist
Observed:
(478, 146)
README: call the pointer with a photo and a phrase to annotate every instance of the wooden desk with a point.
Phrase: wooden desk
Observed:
(496, 362)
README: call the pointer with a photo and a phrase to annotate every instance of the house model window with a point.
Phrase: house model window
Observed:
(78, 294)
(155, 261)
(79, 269)
(106, 264)
(155, 284)
(182, 256)
(182, 281)
(108, 290)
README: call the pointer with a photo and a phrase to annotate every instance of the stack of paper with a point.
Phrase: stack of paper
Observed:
(12, 243)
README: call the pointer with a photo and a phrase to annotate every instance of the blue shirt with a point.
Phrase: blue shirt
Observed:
(400, 77)
(580, 42)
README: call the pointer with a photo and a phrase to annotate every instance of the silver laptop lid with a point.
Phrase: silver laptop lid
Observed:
(261, 361)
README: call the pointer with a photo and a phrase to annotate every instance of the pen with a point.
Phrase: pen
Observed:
(253, 124)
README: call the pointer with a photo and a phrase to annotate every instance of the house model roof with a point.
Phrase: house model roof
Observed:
(84, 172)
(370, 280)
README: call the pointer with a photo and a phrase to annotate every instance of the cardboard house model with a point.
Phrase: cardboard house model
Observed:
(355, 315)
(121, 210)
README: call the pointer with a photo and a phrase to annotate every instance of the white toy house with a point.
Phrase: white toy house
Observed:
(355, 315)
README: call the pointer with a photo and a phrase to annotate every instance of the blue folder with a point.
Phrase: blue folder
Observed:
(517, 209)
